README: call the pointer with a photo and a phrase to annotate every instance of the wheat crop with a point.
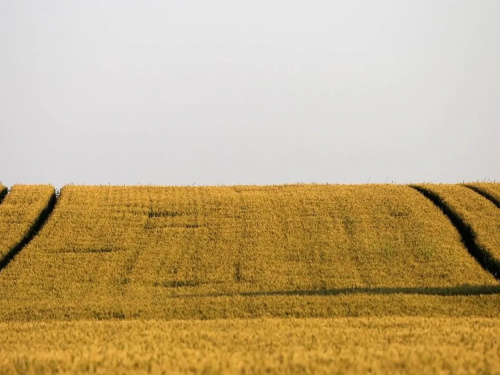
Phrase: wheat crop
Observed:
(199, 252)
(272, 346)
(118, 278)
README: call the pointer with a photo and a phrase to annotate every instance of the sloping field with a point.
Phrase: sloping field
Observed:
(255, 346)
(479, 213)
(490, 190)
(19, 213)
(220, 252)
(386, 268)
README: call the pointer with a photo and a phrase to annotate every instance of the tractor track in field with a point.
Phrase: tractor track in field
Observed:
(31, 233)
(485, 194)
(3, 194)
(467, 234)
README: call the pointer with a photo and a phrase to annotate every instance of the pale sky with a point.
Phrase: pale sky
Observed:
(249, 92)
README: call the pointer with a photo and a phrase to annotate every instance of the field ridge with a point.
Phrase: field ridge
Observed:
(467, 234)
(31, 233)
(485, 194)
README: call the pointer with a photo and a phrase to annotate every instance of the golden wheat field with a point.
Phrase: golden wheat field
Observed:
(248, 279)
(415, 345)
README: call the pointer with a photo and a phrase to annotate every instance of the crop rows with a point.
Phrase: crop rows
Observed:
(300, 250)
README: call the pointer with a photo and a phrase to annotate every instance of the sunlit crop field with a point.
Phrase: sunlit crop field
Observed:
(248, 279)
(149, 252)
(255, 346)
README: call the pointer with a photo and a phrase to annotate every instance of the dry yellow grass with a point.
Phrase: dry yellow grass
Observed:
(19, 211)
(478, 212)
(273, 346)
(210, 252)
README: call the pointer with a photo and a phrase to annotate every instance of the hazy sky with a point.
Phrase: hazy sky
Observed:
(249, 92)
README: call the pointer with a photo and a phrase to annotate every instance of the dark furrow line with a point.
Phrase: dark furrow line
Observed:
(3, 194)
(485, 194)
(467, 234)
(32, 232)
(465, 290)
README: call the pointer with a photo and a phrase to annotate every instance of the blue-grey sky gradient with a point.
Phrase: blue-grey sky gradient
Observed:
(179, 92)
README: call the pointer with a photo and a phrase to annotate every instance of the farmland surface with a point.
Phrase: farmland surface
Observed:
(259, 264)
(255, 346)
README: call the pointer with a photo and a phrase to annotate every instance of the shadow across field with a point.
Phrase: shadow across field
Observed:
(463, 290)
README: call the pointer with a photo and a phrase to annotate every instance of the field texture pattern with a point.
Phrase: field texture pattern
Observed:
(208, 252)
(271, 346)
(211, 280)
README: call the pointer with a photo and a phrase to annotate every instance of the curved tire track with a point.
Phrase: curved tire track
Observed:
(3, 194)
(485, 194)
(468, 236)
(32, 232)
